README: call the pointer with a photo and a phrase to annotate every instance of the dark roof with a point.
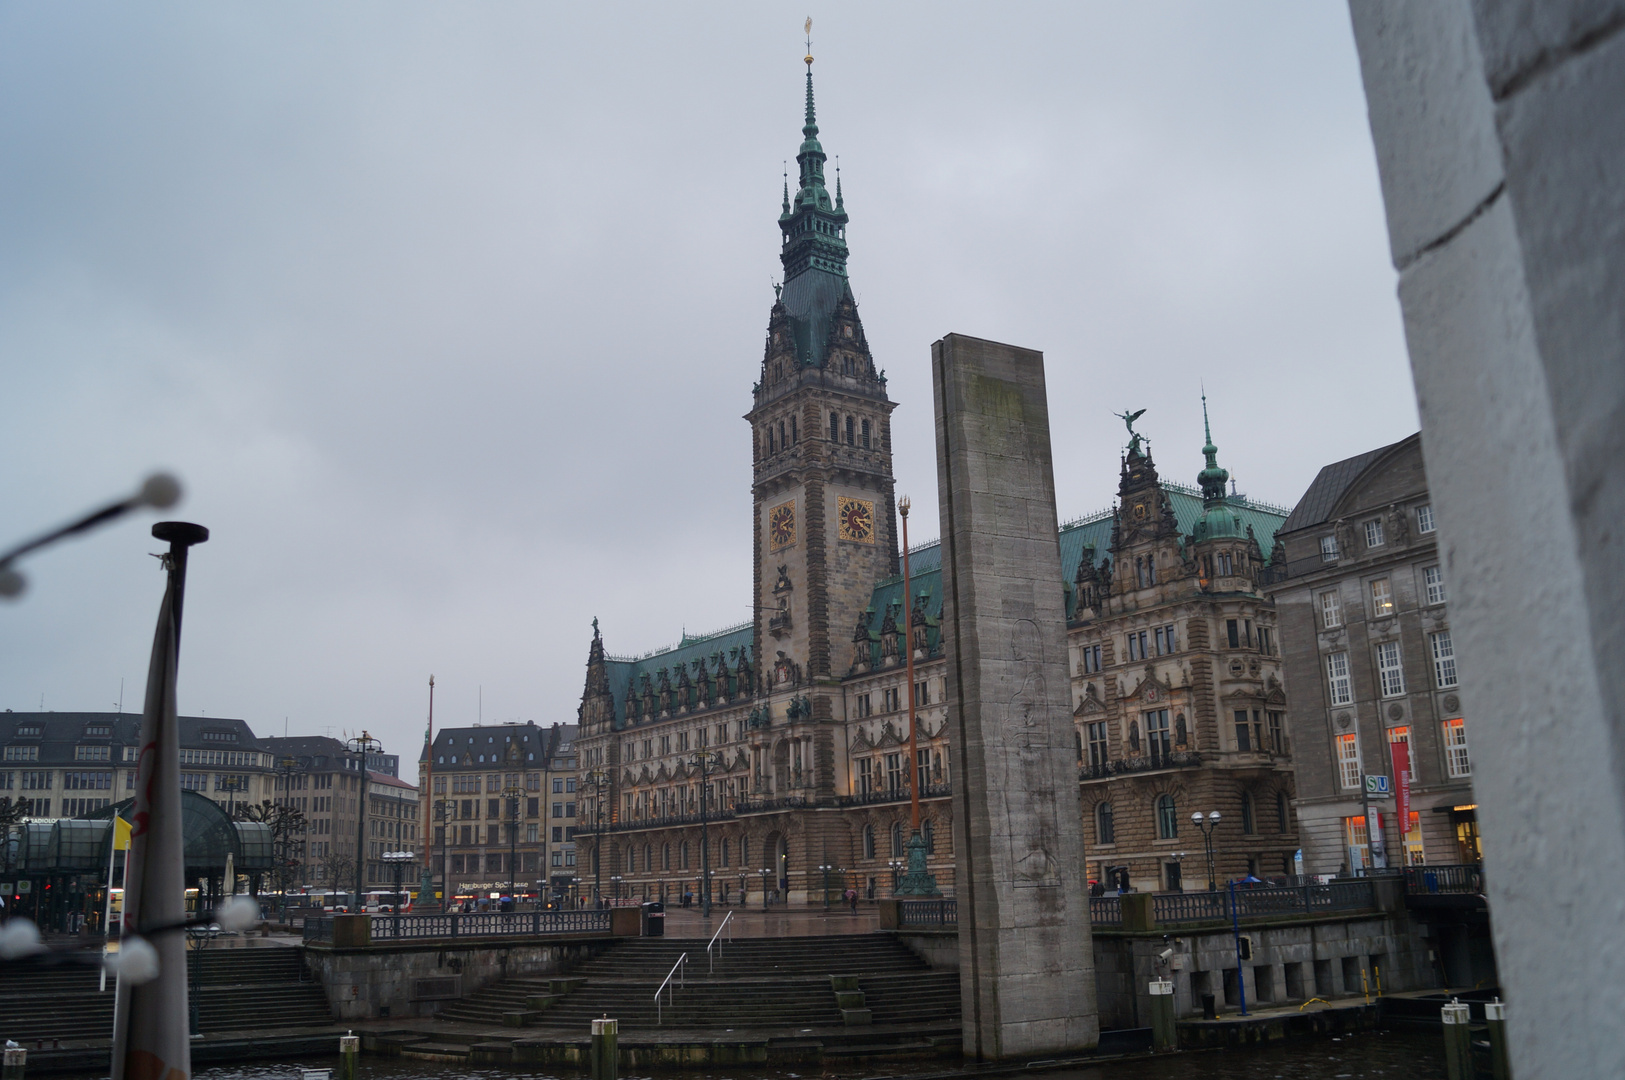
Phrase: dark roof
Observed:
(60, 732)
(1330, 485)
(483, 741)
(623, 671)
(314, 751)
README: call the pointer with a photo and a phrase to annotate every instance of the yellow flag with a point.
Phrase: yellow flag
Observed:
(121, 834)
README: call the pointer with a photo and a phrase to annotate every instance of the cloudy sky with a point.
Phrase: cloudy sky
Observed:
(447, 314)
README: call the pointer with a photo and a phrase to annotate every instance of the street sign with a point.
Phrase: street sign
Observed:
(1376, 785)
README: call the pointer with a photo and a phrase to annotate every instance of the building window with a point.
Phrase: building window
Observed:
(1223, 564)
(1457, 763)
(866, 776)
(894, 773)
(1433, 578)
(1243, 731)
(1331, 609)
(1105, 828)
(834, 428)
(863, 435)
(22, 753)
(1354, 841)
(1382, 598)
(1156, 736)
(93, 753)
(1277, 721)
(1282, 821)
(1390, 669)
(795, 436)
(868, 841)
(1091, 659)
(558, 785)
(922, 693)
(1348, 761)
(1328, 548)
(1232, 633)
(1444, 659)
(1098, 755)
(862, 705)
(1373, 533)
(1249, 825)
(1167, 818)
(1337, 677)
(850, 440)
(1424, 518)
(896, 840)
(1137, 645)
(1165, 640)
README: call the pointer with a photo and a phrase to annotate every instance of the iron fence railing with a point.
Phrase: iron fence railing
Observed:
(766, 806)
(1105, 911)
(891, 795)
(934, 912)
(1157, 759)
(1447, 878)
(472, 924)
(1355, 894)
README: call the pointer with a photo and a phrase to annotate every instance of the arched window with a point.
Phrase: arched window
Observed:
(849, 439)
(1105, 828)
(864, 435)
(1167, 818)
(868, 841)
(930, 835)
(1281, 822)
(1249, 824)
(665, 857)
(834, 428)
(782, 440)
(795, 436)
(683, 854)
(631, 859)
(897, 840)
(648, 858)
(725, 851)
(744, 852)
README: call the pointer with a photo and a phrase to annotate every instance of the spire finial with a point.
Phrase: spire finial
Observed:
(840, 200)
(1211, 479)
(786, 187)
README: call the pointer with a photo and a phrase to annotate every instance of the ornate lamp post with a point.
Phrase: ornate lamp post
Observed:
(397, 859)
(827, 871)
(615, 879)
(765, 872)
(1206, 827)
(361, 746)
(918, 880)
(442, 814)
(705, 762)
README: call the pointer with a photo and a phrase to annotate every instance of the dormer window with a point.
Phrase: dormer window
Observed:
(95, 731)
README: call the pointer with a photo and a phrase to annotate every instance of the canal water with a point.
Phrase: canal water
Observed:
(1377, 1055)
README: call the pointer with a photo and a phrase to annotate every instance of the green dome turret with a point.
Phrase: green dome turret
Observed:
(1218, 520)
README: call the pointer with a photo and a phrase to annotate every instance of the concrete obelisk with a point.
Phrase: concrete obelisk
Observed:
(1025, 956)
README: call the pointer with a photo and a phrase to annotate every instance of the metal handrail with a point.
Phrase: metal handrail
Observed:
(710, 961)
(682, 964)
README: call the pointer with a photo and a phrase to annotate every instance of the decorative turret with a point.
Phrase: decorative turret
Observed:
(597, 710)
(1218, 520)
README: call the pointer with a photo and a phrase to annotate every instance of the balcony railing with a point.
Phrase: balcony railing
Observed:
(892, 795)
(1356, 894)
(1447, 878)
(670, 820)
(1105, 911)
(1174, 759)
(471, 924)
(767, 806)
(938, 912)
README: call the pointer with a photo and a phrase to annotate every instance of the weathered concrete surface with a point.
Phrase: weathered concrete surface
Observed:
(1500, 135)
(1026, 971)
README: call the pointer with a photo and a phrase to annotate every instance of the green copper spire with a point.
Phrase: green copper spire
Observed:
(1211, 479)
(813, 224)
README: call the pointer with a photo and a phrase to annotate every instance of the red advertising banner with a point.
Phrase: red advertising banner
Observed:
(1402, 789)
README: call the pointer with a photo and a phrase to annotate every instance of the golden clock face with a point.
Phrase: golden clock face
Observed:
(857, 519)
(781, 525)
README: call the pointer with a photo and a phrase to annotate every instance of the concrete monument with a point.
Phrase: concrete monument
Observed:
(1026, 961)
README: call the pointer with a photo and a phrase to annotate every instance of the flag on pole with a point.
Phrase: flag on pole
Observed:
(151, 1029)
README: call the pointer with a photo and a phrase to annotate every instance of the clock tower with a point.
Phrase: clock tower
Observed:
(824, 503)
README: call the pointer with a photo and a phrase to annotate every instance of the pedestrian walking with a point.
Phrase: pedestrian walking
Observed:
(852, 898)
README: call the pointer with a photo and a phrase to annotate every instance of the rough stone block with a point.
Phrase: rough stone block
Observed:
(856, 1017)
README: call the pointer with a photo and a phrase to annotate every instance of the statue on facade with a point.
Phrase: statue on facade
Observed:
(1135, 437)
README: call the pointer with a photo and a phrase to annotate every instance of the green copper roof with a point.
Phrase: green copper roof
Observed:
(814, 252)
(687, 654)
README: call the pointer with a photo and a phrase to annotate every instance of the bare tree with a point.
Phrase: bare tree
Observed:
(287, 837)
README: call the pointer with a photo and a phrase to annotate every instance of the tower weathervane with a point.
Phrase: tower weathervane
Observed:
(807, 28)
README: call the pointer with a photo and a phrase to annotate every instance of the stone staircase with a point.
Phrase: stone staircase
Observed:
(758, 984)
(237, 990)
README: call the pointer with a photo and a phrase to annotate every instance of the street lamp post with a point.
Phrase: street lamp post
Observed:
(361, 746)
(918, 880)
(512, 793)
(398, 859)
(765, 872)
(705, 761)
(442, 814)
(827, 871)
(615, 880)
(1206, 826)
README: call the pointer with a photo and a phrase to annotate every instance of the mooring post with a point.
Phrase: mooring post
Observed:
(1495, 1016)
(1164, 1035)
(605, 1048)
(16, 1062)
(349, 1055)
(1458, 1042)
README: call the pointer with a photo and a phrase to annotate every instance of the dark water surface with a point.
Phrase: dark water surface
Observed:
(1380, 1055)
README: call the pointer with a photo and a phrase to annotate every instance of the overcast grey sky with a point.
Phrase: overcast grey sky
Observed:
(447, 314)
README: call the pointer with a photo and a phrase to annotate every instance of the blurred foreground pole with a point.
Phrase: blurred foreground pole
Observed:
(1499, 128)
(150, 1021)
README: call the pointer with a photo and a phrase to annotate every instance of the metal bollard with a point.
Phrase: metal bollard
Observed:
(1458, 1042)
(1495, 1014)
(605, 1048)
(1164, 1035)
(349, 1055)
(16, 1062)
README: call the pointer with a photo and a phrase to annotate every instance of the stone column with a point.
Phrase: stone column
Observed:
(1025, 955)
(1500, 135)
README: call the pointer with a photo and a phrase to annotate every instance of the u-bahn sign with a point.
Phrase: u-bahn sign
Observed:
(1376, 785)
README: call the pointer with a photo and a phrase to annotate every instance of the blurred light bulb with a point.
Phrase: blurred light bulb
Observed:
(19, 938)
(11, 583)
(237, 913)
(160, 490)
(136, 961)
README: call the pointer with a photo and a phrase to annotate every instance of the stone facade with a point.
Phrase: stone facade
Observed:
(1371, 663)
